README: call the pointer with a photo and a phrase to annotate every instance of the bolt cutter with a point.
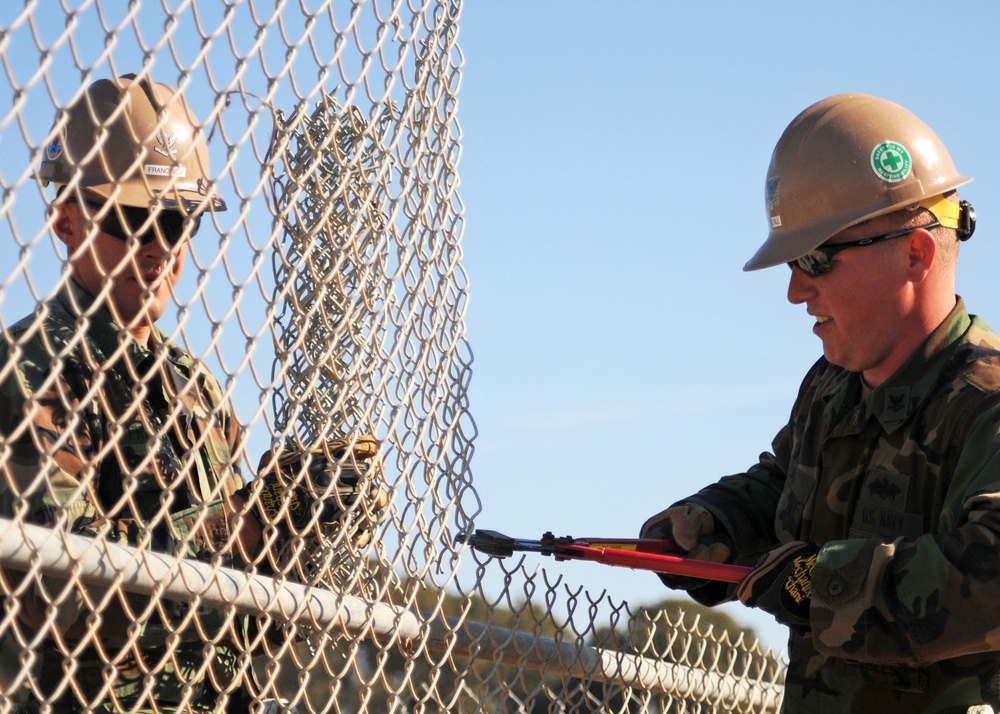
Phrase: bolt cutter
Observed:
(656, 554)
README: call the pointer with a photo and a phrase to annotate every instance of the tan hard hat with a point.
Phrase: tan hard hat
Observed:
(134, 141)
(844, 160)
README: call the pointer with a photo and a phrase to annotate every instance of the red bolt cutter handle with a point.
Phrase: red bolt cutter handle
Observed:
(658, 555)
(657, 562)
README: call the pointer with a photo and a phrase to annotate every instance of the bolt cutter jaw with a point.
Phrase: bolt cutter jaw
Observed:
(498, 545)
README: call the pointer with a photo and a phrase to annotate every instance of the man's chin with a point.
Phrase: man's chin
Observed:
(155, 304)
(837, 359)
(150, 312)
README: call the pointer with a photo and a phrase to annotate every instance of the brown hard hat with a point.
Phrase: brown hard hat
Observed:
(134, 141)
(844, 160)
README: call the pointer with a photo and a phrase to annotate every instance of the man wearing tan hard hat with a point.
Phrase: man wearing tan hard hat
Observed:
(873, 524)
(90, 412)
(111, 430)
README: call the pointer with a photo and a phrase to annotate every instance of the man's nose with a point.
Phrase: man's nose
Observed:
(800, 287)
(154, 250)
(154, 245)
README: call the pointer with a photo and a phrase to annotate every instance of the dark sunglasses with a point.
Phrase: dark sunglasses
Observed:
(169, 224)
(820, 260)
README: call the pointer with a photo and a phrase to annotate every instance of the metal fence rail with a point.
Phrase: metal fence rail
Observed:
(32, 548)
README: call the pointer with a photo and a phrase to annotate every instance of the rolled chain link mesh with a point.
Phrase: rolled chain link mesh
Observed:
(328, 302)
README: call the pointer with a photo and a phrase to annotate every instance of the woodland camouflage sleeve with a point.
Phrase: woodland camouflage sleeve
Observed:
(205, 528)
(40, 472)
(744, 505)
(924, 599)
(48, 435)
(747, 505)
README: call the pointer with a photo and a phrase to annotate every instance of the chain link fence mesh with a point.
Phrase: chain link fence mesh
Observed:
(328, 303)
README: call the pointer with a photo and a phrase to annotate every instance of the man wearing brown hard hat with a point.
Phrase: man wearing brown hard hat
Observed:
(110, 430)
(88, 409)
(873, 524)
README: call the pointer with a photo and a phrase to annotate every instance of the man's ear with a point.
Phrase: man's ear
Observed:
(923, 253)
(67, 225)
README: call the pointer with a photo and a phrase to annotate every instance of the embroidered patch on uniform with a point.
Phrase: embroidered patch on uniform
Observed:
(886, 488)
(886, 523)
(897, 404)
(881, 509)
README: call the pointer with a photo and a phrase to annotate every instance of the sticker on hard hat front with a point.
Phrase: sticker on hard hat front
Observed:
(53, 150)
(166, 144)
(156, 170)
(771, 192)
(891, 161)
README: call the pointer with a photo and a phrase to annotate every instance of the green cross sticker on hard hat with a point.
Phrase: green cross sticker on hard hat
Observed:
(891, 161)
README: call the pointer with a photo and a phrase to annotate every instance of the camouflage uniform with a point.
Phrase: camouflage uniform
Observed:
(145, 427)
(901, 487)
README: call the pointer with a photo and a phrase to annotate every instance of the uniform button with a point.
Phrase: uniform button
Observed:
(836, 587)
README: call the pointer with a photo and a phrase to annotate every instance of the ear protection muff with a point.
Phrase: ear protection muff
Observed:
(966, 220)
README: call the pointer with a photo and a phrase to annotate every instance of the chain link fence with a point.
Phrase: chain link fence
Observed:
(328, 304)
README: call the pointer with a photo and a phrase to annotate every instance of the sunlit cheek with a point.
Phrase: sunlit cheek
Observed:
(176, 264)
(109, 261)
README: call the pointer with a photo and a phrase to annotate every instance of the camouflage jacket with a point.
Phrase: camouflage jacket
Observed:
(901, 488)
(101, 435)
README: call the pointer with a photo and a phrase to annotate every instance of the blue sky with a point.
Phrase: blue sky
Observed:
(612, 173)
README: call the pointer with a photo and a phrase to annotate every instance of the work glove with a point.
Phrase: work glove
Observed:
(780, 584)
(295, 488)
(694, 532)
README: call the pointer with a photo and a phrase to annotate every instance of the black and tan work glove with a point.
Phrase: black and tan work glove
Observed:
(296, 488)
(780, 584)
(694, 532)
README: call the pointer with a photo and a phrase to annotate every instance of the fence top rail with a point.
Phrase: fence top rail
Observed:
(28, 547)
